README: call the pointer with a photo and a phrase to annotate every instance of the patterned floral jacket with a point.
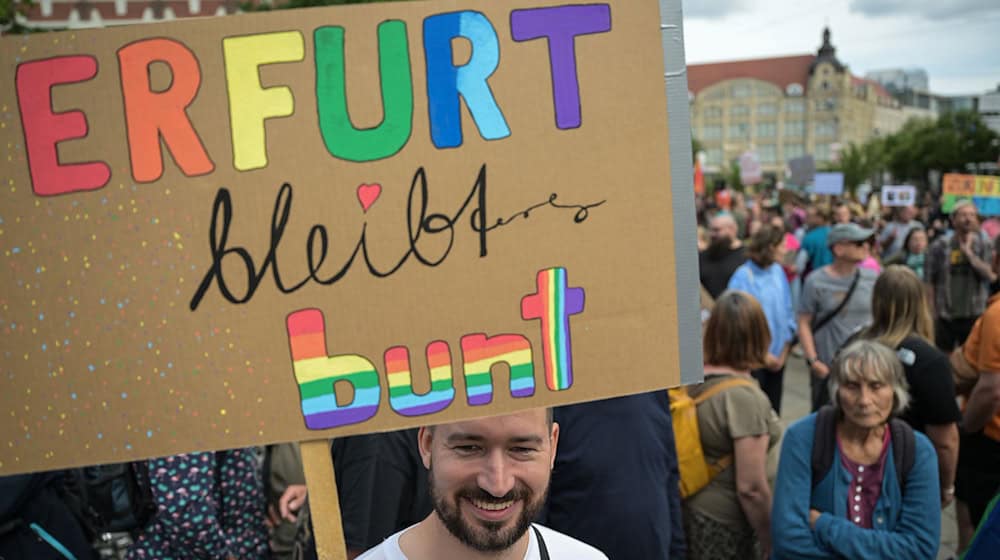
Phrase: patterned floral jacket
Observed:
(203, 513)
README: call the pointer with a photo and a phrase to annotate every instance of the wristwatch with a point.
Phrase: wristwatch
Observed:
(811, 361)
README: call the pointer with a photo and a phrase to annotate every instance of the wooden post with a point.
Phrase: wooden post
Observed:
(324, 505)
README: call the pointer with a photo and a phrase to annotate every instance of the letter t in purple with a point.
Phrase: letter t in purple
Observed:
(561, 25)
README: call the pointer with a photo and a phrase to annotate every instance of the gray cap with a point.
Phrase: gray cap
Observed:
(848, 232)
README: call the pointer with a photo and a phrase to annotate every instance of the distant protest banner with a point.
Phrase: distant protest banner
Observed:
(983, 190)
(304, 224)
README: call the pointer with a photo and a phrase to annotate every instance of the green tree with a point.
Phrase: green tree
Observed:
(948, 144)
(696, 146)
(731, 173)
(859, 163)
(8, 10)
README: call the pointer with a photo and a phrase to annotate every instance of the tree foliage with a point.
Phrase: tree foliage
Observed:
(950, 143)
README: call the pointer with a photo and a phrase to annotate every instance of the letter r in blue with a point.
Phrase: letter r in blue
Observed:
(446, 82)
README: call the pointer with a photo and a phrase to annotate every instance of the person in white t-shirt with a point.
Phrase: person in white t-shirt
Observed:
(488, 479)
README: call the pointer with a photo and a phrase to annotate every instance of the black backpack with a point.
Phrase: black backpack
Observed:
(113, 498)
(824, 442)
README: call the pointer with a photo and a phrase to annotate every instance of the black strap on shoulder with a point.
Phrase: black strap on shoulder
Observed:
(543, 550)
(904, 450)
(824, 443)
(843, 303)
(904, 446)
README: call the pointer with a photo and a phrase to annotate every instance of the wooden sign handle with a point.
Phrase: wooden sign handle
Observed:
(324, 505)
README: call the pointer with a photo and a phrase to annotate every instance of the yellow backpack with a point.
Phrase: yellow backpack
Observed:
(695, 471)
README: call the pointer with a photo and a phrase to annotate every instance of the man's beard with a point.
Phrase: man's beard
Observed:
(719, 247)
(485, 536)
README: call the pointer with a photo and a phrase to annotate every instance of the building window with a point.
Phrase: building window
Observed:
(767, 109)
(711, 132)
(829, 104)
(766, 130)
(767, 153)
(793, 151)
(794, 90)
(739, 131)
(825, 129)
(795, 106)
(739, 111)
(795, 129)
(713, 156)
(713, 111)
(742, 90)
(822, 152)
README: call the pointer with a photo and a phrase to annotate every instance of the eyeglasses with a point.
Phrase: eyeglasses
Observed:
(861, 243)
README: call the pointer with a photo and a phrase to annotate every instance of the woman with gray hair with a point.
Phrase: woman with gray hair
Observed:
(853, 481)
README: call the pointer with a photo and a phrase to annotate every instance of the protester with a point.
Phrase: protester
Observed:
(723, 256)
(894, 233)
(815, 252)
(764, 278)
(36, 523)
(382, 486)
(617, 493)
(842, 213)
(209, 506)
(959, 272)
(835, 302)
(488, 479)
(902, 320)
(978, 477)
(287, 512)
(914, 252)
(730, 517)
(861, 505)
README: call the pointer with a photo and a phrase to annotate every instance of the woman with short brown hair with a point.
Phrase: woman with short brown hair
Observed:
(739, 431)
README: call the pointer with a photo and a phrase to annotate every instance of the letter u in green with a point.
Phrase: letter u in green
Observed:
(343, 140)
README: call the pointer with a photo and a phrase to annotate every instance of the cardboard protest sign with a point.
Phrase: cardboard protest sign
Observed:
(899, 195)
(983, 190)
(305, 224)
(829, 183)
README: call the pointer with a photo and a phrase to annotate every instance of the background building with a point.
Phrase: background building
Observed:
(786, 107)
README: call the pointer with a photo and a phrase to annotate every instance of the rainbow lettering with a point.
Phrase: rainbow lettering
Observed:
(553, 303)
(401, 395)
(480, 352)
(318, 375)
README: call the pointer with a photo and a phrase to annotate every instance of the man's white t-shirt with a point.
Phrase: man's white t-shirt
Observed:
(560, 547)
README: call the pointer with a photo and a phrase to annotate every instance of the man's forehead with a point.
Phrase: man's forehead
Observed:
(526, 424)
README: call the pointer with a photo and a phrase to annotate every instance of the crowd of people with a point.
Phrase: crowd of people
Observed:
(892, 314)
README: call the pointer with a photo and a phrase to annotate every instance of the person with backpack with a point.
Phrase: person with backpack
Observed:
(854, 481)
(902, 320)
(738, 432)
(210, 506)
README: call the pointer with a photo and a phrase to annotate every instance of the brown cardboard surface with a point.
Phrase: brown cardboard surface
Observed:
(107, 356)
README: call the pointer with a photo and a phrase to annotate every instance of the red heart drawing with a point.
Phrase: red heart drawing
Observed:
(368, 194)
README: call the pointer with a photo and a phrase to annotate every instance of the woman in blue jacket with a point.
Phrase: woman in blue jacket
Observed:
(859, 508)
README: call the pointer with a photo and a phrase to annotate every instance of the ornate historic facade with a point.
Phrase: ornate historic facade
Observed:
(786, 107)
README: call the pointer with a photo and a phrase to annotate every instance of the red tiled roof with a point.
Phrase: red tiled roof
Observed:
(780, 71)
(879, 89)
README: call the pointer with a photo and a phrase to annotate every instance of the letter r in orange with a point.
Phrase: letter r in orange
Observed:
(150, 115)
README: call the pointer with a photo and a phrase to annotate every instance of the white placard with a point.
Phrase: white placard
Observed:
(899, 195)
(829, 183)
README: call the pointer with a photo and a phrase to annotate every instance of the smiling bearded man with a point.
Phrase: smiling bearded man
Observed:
(488, 481)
